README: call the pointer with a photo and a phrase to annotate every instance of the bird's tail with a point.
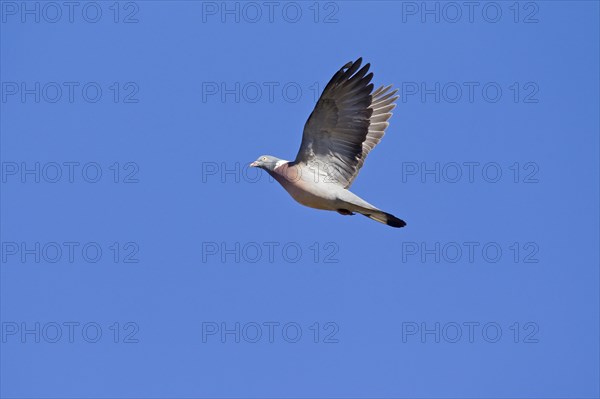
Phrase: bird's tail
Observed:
(356, 204)
(383, 217)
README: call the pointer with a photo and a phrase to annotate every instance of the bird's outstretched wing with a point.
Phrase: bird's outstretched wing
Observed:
(348, 121)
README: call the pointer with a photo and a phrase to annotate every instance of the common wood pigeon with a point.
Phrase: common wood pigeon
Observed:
(348, 121)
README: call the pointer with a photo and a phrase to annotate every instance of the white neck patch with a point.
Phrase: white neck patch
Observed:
(280, 163)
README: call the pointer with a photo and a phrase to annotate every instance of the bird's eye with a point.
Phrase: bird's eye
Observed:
(264, 158)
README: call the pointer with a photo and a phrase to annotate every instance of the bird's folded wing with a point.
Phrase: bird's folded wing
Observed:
(347, 122)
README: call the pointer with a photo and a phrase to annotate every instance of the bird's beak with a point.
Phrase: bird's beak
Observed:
(254, 164)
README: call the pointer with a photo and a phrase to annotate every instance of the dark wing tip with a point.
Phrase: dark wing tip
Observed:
(353, 63)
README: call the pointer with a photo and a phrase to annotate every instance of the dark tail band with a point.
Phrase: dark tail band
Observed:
(385, 218)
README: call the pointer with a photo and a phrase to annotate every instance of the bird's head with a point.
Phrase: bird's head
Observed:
(267, 162)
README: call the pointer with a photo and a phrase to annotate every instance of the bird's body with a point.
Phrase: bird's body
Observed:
(346, 124)
(303, 188)
(310, 191)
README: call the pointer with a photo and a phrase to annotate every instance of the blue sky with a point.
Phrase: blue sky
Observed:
(141, 257)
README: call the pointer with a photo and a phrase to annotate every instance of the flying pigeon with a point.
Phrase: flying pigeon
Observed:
(348, 121)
